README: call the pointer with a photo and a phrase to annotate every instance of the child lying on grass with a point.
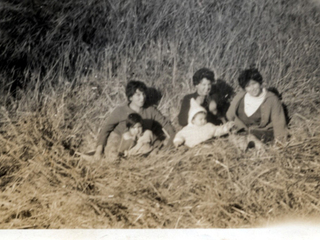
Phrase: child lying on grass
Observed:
(198, 129)
(135, 141)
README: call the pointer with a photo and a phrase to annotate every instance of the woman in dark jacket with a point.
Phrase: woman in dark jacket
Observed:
(202, 80)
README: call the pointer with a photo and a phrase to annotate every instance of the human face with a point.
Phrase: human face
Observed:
(137, 99)
(199, 119)
(204, 87)
(253, 88)
(136, 130)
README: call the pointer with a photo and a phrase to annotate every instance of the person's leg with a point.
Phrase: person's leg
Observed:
(254, 142)
(265, 136)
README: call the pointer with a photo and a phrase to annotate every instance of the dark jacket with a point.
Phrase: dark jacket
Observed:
(185, 107)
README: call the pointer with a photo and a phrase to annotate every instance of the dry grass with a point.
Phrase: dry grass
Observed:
(208, 186)
(45, 184)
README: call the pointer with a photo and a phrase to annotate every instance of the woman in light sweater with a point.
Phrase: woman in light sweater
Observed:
(256, 111)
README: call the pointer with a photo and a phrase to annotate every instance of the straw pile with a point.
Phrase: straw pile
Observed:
(212, 185)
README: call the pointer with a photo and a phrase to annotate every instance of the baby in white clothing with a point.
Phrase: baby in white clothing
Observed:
(198, 129)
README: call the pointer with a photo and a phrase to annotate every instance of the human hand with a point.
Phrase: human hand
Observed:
(229, 125)
(125, 153)
(178, 143)
(98, 154)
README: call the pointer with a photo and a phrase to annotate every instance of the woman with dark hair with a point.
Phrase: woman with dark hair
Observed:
(257, 111)
(115, 125)
(202, 80)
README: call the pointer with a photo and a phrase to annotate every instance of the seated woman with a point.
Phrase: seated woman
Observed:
(115, 125)
(202, 80)
(257, 111)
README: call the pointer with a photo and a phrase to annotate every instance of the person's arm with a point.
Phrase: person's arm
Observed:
(231, 112)
(184, 111)
(218, 131)
(165, 123)
(98, 153)
(146, 137)
(108, 127)
(178, 140)
(278, 119)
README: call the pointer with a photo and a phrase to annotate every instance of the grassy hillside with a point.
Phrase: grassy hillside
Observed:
(64, 66)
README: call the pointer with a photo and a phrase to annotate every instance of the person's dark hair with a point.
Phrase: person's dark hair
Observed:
(133, 119)
(133, 86)
(201, 74)
(247, 75)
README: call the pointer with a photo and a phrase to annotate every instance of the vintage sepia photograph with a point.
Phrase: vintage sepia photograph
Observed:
(159, 114)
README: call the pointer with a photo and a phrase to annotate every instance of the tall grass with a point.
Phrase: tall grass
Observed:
(68, 63)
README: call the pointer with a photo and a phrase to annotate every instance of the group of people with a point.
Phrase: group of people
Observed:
(255, 114)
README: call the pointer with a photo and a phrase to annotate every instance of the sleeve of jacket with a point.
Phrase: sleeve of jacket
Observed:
(231, 113)
(278, 119)
(108, 127)
(217, 131)
(165, 123)
(179, 137)
(184, 111)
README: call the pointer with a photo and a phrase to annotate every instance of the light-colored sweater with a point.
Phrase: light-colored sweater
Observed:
(131, 145)
(272, 115)
(192, 135)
